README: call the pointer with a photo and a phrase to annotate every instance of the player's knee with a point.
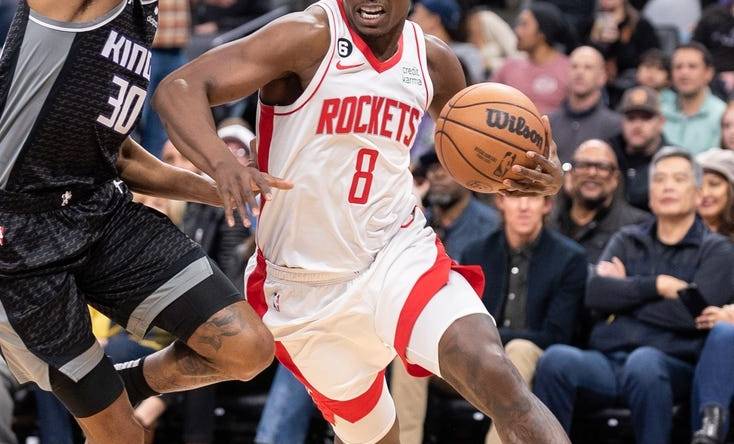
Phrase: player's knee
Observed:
(256, 351)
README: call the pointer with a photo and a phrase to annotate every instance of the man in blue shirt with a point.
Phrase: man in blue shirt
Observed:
(693, 116)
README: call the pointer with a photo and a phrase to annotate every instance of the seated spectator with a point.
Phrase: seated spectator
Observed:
(715, 31)
(642, 136)
(543, 75)
(442, 18)
(727, 128)
(592, 211)
(643, 352)
(717, 196)
(583, 115)
(535, 282)
(494, 38)
(693, 115)
(578, 13)
(713, 391)
(654, 71)
(8, 385)
(622, 35)
(458, 217)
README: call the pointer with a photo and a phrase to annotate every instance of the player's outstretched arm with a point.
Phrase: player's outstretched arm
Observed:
(448, 79)
(145, 174)
(289, 47)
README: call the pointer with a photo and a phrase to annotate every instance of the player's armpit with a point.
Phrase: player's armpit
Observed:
(446, 74)
(73, 10)
(145, 174)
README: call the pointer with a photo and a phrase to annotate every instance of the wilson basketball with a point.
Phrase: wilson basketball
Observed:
(483, 131)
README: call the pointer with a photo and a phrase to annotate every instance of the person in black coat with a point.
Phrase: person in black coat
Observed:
(535, 280)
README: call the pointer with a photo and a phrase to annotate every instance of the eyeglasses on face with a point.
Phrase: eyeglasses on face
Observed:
(586, 167)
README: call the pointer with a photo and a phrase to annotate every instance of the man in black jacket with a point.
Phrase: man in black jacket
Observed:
(535, 282)
(644, 351)
(591, 210)
(642, 136)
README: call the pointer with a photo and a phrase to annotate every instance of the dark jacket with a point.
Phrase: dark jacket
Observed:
(556, 279)
(634, 169)
(714, 31)
(637, 315)
(595, 236)
(570, 127)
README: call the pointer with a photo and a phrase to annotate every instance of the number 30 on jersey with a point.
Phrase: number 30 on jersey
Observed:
(125, 107)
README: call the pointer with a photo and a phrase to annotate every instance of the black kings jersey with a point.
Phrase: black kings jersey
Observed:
(70, 93)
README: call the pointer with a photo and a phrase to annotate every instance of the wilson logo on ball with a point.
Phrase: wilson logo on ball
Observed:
(517, 125)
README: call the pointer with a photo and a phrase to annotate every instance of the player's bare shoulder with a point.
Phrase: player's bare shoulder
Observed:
(304, 37)
(445, 71)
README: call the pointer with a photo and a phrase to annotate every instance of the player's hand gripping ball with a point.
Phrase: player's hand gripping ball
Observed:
(491, 138)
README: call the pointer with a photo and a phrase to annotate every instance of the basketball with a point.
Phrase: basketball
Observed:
(483, 131)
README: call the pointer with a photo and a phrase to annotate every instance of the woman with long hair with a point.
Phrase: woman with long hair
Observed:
(713, 386)
(717, 195)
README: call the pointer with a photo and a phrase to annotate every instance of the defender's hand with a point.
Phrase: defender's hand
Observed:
(237, 186)
(545, 182)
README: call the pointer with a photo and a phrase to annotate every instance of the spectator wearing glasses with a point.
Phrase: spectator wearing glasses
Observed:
(584, 115)
(642, 136)
(591, 211)
(643, 352)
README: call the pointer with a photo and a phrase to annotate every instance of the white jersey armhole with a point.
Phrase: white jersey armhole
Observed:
(321, 72)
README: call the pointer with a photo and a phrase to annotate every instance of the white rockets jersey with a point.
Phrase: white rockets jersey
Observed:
(345, 146)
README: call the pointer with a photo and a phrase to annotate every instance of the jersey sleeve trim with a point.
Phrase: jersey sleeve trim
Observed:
(78, 27)
(321, 72)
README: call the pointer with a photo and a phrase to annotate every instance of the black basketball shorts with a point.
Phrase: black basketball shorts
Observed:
(61, 253)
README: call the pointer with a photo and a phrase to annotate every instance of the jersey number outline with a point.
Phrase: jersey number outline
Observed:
(126, 106)
(363, 175)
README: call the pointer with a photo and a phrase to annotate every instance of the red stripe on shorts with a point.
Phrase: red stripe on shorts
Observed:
(350, 410)
(423, 291)
(256, 286)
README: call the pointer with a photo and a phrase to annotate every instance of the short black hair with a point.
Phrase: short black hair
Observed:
(708, 59)
(655, 57)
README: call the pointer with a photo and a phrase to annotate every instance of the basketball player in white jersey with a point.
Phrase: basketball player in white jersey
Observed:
(347, 275)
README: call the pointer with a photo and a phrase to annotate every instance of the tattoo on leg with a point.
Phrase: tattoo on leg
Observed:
(226, 323)
(496, 388)
(183, 370)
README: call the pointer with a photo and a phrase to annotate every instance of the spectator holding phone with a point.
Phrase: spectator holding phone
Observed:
(643, 351)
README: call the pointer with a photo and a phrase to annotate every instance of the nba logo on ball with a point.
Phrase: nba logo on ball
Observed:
(486, 129)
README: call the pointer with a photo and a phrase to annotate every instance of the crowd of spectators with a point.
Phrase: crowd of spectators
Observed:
(618, 292)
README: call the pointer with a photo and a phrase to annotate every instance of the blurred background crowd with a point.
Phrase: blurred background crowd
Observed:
(612, 299)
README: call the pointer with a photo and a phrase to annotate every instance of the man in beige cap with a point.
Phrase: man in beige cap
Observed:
(642, 136)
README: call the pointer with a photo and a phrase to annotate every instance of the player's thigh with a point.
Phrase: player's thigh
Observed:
(46, 338)
(454, 301)
(145, 272)
(350, 391)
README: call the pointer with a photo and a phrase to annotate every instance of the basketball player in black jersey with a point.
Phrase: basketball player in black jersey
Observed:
(73, 78)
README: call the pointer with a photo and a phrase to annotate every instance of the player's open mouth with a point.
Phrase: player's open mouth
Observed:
(371, 13)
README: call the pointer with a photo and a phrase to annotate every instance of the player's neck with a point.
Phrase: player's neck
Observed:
(386, 45)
